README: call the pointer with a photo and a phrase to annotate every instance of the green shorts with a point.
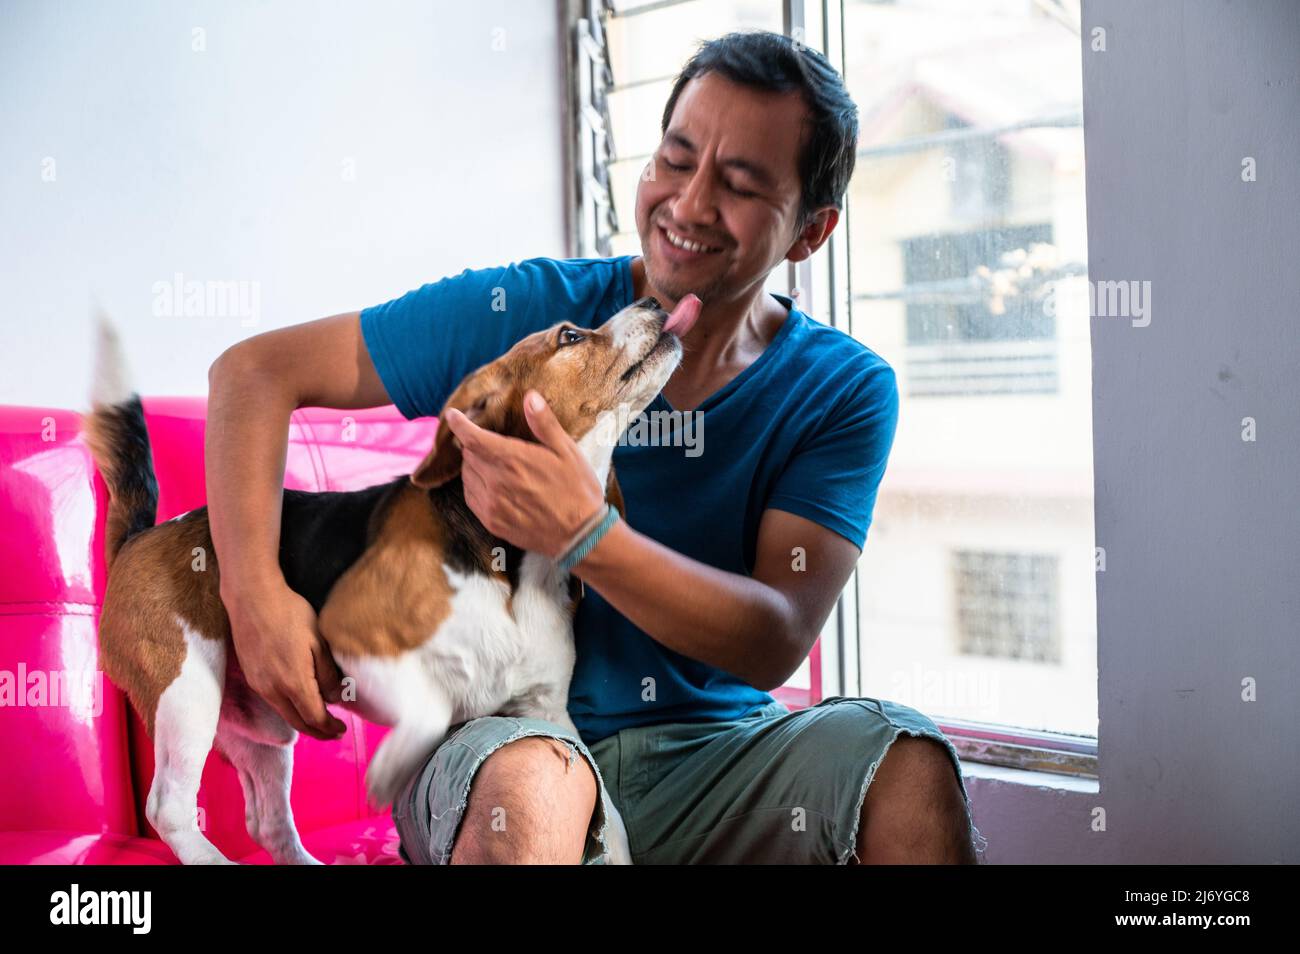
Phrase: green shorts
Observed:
(774, 787)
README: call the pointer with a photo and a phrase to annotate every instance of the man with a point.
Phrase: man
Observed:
(734, 552)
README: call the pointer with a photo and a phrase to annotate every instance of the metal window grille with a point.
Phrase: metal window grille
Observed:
(1007, 605)
(595, 220)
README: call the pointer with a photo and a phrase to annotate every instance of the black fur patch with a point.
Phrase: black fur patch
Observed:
(133, 483)
(322, 533)
(471, 545)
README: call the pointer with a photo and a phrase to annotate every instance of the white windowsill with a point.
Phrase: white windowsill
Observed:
(1014, 776)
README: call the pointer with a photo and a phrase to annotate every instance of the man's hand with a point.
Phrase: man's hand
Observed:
(535, 496)
(284, 659)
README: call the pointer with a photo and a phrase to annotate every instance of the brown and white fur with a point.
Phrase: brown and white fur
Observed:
(435, 620)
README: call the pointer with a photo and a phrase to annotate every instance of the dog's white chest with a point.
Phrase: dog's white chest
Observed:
(492, 654)
(495, 648)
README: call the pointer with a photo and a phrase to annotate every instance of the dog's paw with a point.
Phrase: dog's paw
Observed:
(383, 784)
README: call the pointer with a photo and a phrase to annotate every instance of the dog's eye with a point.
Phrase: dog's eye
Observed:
(570, 336)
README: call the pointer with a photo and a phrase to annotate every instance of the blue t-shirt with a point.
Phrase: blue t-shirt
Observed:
(806, 428)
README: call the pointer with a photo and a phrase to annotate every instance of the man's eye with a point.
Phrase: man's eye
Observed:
(673, 166)
(570, 336)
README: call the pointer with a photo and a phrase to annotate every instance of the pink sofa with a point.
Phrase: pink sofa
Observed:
(76, 770)
(73, 778)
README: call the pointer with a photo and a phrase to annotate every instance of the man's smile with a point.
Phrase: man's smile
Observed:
(682, 249)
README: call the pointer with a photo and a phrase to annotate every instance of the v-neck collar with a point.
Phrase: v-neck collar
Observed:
(782, 333)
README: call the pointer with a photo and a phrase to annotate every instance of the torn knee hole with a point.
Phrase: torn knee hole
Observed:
(571, 749)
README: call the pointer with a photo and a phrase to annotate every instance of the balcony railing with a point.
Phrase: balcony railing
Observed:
(982, 367)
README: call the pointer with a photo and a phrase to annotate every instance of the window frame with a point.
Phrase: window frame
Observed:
(822, 286)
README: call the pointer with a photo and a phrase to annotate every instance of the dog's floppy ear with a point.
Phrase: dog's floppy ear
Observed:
(482, 399)
(614, 493)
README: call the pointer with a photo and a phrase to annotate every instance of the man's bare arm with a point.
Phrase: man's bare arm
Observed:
(758, 627)
(253, 388)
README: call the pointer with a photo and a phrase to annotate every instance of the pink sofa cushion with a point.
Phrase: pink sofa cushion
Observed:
(64, 754)
(72, 790)
(366, 841)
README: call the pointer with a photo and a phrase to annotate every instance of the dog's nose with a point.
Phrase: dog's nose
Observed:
(649, 302)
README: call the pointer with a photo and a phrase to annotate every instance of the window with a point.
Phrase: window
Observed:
(975, 594)
(1007, 605)
(961, 259)
(963, 339)
(590, 80)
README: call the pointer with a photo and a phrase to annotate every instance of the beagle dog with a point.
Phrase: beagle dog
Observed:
(433, 619)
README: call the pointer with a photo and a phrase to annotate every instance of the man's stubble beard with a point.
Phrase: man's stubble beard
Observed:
(662, 279)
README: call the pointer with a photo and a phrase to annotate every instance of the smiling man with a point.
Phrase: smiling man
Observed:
(714, 589)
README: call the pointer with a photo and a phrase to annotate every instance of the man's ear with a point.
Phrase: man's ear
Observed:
(481, 399)
(614, 493)
(813, 233)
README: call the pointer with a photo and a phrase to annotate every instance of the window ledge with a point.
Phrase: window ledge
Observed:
(1015, 776)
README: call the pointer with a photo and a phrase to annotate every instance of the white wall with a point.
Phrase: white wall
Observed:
(230, 165)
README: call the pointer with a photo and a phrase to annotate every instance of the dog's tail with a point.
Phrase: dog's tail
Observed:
(118, 440)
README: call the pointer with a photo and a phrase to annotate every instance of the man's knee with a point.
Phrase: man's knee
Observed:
(914, 807)
(531, 801)
(920, 762)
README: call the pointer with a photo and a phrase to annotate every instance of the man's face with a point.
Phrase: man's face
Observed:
(726, 177)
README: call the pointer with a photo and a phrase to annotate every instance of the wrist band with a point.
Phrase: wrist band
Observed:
(585, 545)
(588, 525)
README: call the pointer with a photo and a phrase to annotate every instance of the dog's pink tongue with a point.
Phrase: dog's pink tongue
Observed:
(683, 316)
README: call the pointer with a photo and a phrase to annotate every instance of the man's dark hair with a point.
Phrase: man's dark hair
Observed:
(772, 62)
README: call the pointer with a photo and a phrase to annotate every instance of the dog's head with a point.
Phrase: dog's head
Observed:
(584, 374)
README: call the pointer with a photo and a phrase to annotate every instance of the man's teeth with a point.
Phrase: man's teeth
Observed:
(689, 246)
